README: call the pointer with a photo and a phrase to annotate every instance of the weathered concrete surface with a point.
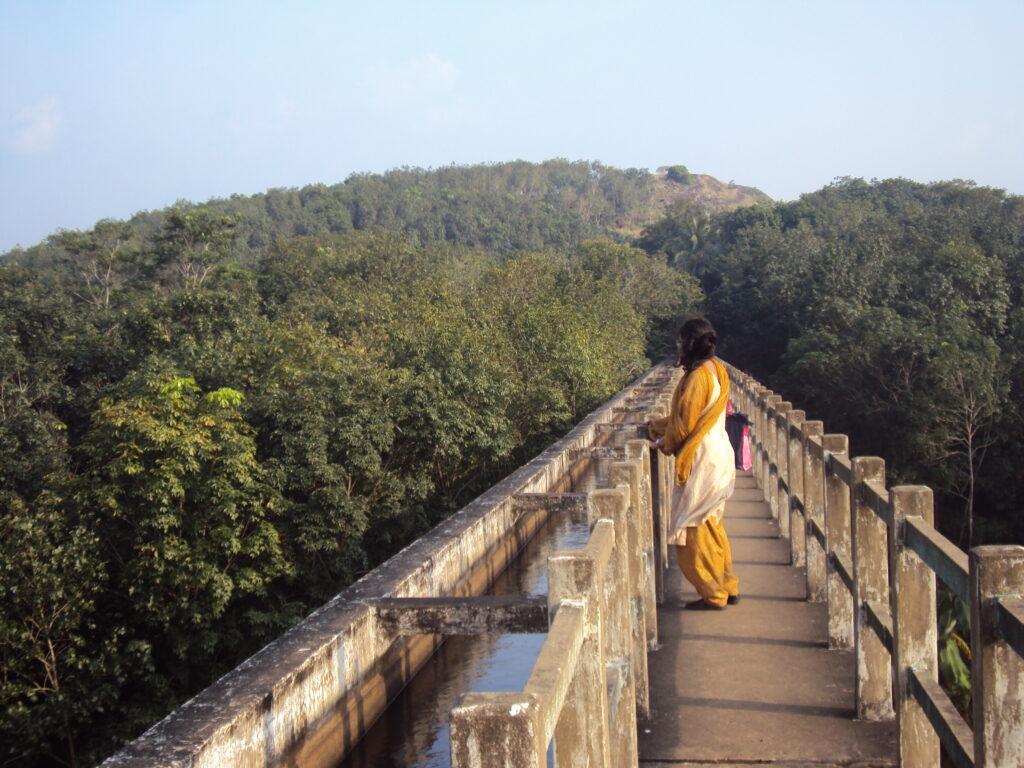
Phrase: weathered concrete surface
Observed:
(484, 615)
(755, 683)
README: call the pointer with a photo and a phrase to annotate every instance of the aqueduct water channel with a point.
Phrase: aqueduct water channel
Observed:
(413, 732)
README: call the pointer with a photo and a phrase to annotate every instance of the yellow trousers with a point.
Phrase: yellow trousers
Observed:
(706, 562)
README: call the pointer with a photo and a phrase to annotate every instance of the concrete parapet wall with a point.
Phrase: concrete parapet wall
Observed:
(309, 696)
(585, 688)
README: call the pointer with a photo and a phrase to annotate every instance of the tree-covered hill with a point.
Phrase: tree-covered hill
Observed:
(503, 207)
(213, 417)
(676, 185)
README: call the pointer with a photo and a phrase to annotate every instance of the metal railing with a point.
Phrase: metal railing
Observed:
(873, 554)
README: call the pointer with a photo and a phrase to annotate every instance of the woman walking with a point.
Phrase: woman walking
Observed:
(705, 467)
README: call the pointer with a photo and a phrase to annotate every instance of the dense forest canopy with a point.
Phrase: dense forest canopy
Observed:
(892, 310)
(213, 417)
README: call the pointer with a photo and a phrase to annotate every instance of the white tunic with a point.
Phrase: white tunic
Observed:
(711, 480)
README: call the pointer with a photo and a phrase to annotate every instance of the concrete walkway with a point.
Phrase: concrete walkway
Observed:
(754, 684)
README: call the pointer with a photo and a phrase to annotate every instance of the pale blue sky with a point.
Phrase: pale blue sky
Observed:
(108, 108)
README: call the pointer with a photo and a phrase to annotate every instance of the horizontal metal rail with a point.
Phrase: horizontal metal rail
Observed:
(948, 561)
(879, 619)
(1010, 622)
(840, 467)
(842, 565)
(894, 556)
(816, 449)
(953, 732)
(876, 498)
(816, 532)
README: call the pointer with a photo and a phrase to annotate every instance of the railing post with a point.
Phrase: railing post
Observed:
(613, 504)
(662, 472)
(839, 545)
(914, 626)
(782, 463)
(814, 511)
(656, 460)
(871, 583)
(757, 417)
(745, 393)
(497, 730)
(627, 474)
(997, 672)
(769, 443)
(637, 450)
(795, 481)
(582, 729)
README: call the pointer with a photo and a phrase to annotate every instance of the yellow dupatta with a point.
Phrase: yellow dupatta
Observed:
(687, 424)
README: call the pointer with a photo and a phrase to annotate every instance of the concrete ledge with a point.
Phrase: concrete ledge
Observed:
(486, 615)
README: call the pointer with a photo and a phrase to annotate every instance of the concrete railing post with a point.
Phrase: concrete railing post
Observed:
(781, 496)
(613, 504)
(662, 478)
(497, 730)
(814, 511)
(582, 728)
(745, 401)
(769, 443)
(756, 412)
(871, 584)
(914, 626)
(760, 418)
(638, 451)
(627, 474)
(795, 481)
(838, 544)
(668, 480)
(997, 672)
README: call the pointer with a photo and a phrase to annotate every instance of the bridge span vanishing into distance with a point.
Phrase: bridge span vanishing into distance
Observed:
(829, 659)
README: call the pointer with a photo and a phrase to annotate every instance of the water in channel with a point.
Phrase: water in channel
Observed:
(413, 731)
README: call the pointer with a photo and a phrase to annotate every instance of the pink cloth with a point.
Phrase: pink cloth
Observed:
(746, 460)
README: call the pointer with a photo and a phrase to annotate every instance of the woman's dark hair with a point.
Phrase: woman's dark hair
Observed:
(696, 343)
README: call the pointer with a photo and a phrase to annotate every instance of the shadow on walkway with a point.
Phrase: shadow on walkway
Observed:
(754, 683)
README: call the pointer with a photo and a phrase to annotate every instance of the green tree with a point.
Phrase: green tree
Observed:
(56, 649)
(969, 391)
(683, 234)
(182, 508)
(100, 259)
(659, 294)
(680, 174)
(192, 244)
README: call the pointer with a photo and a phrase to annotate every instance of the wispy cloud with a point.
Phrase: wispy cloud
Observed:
(413, 82)
(36, 127)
